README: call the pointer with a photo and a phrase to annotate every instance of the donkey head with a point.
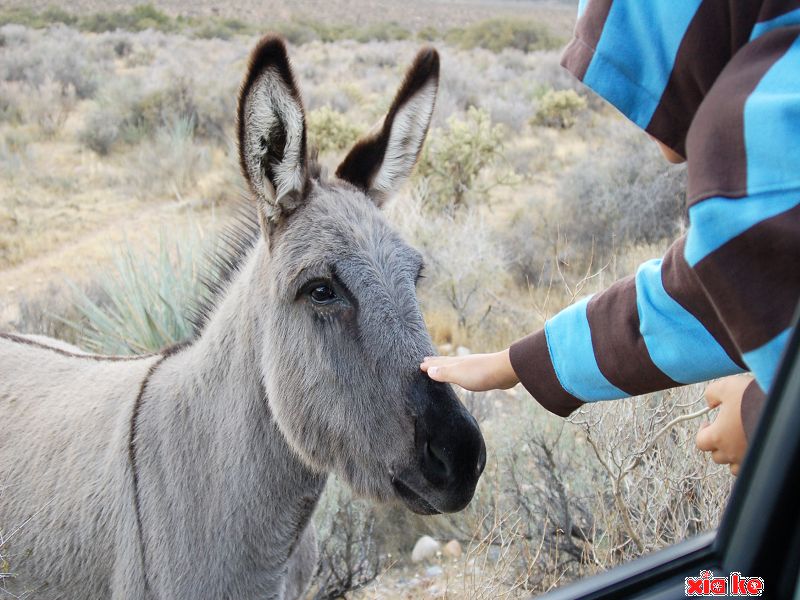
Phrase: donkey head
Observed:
(344, 335)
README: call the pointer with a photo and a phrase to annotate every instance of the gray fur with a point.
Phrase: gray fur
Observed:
(194, 473)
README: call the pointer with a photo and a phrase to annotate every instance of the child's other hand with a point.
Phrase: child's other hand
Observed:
(476, 372)
(724, 437)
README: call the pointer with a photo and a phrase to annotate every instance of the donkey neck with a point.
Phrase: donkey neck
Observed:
(216, 436)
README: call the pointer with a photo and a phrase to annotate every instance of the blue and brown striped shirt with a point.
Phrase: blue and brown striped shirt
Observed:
(718, 81)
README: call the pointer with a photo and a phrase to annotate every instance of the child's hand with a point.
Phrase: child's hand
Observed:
(724, 437)
(476, 372)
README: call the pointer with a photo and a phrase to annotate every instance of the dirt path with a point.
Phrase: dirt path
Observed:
(82, 258)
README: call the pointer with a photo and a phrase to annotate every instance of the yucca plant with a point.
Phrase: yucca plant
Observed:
(146, 298)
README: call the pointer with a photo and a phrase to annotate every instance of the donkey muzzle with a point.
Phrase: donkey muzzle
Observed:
(450, 453)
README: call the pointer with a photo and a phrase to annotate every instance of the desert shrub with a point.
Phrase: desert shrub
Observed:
(49, 106)
(215, 110)
(169, 163)
(56, 14)
(429, 33)
(558, 108)
(119, 42)
(330, 130)
(627, 194)
(455, 159)
(531, 243)
(23, 15)
(510, 110)
(53, 312)
(341, 98)
(381, 32)
(161, 107)
(126, 111)
(223, 29)
(11, 103)
(499, 34)
(78, 72)
(109, 120)
(138, 18)
(100, 131)
(571, 499)
(15, 157)
(349, 549)
(297, 32)
(11, 555)
(303, 31)
(62, 55)
(460, 298)
(143, 299)
(659, 489)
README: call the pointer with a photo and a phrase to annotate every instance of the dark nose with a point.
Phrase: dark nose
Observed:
(450, 446)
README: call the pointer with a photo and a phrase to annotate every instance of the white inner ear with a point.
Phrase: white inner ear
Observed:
(405, 140)
(269, 104)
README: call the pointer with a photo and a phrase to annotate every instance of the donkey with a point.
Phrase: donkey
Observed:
(193, 473)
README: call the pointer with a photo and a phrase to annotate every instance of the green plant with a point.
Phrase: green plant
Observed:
(381, 32)
(330, 130)
(302, 31)
(455, 160)
(223, 29)
(23, 15)
(138, 18)
(144, 299)
(559, 109)
(499, 34)
(429, 33)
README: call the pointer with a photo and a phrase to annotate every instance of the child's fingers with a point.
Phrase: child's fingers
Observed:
(443, 373)
(716, 456)
(706, 440)
(712, 393)
(438, 361)
(721, 457)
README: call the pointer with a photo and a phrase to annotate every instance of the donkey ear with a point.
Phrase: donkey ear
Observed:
(379, 163)
(271, 130)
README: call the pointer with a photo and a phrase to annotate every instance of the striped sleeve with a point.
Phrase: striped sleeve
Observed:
(744, 197)
(648, 332)
(722, 299)
(655, 60)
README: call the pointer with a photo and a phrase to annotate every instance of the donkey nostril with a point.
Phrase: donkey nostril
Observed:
(436, 460)
(481, 462)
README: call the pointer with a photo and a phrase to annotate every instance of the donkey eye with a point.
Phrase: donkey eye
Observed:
(322, 294)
